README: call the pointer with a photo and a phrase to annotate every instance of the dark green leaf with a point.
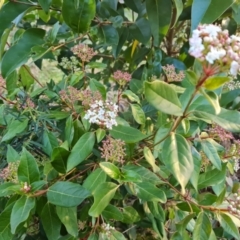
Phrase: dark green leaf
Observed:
(67, 194)
(5, 228)
(148, 192)
(78, 14)
(127, 134)
(69, 131)
(12, 154)
(177, 156)
(81, 150)
(49, 142)
(68, 217)
(102, 196)
(27, 78)
(45, 4)
(112, 212)
(19, 54)
(163, 97)
(21, 211)
(50, 222)
(59, 159)
(28, 169)
(97, 86)
(197, 160)
(11, 82)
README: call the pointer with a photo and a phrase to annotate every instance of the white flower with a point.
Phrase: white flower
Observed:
(234, 68)
(212, 30)
(121, 1)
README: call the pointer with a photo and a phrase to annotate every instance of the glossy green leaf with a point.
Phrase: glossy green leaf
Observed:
(78, 14)
(11, 82)
(197, 160)
(140, 30)
(27, 78)
(130, 215)
(38, 185)
(67, 194)
(9, 12)
(150, 159)
(115, 235)
(68, 216)
(211, 177)
(202, 227)
(95, 178)
(163, 97)
(212, 97)
(177, 156)
(228, 225)
(112, 212)
(81, 150)
(159, 15)
(100, 134)
(21, 211)
(49, 142)
(50, 221)
(138, 113)
(157, 210)
(199, 8)
(148, 192)
(127, 134)
(52, 34)
(59, 159)
(14, 128)
(69, 130)
(5, 228)
(215, 82)
(97, 86)
(135, 5)
(131, 96)
(110, 169)
(28, 169)
(130, 176)
(179, 8)
(216, 9)
(211, 153)
(102, 196)
(227, 119)
(45, 4)
(182, 225)
(19, 54)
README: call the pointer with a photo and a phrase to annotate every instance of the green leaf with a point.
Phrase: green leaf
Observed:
(138, 113)
(215, 82)
(179, 9)
(68, 217)
(156, 210)
(67, 194)
(112, 212)
(45, 4)
(163, 97)
(19, 54)
(140, 30)
(228, 225)
(100, 134)
(12, 154)
(148, 192)
(131, 96)
(27, 78)
(78, 14)
(38, 185)
(197, 160)
(211, 153)
(135, 5)
(177, 156)
(202, 227)
(159, 15)
(11, 82)
(110, 169)
(182, 225)
(150, 159)
(21, 211)
(127, 134)
(102, 196)
(215, 10)
(9, 12)
(49, 142)
(130, 215)
(28, 168)
(14, 128)
(130, 176)
(69, 130)
(59, 159)
(50, 221)
(95, 178)
(199, 8)
(115, 235)
(212, 97)
(97, 86)
(5, 228)
(211, 177)
(81, 150)
(227, 119)
(52, 34)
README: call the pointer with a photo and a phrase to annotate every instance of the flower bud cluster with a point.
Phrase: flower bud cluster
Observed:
(103, 113)
(9, 173)
(234, 204)
(122, 78)
(70, 95)
(71, 63)
(29, 104)
(172, 75)
(106, 228)
(89, 97)
(84, 52)
(212, 44)
(113, 150)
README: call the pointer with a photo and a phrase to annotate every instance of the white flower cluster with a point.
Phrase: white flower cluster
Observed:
(102, 113)
(212, 44)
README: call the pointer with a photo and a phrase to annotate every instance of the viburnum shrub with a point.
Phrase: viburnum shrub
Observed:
(119, 119)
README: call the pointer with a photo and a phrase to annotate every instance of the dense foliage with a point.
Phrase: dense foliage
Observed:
(138, 137)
